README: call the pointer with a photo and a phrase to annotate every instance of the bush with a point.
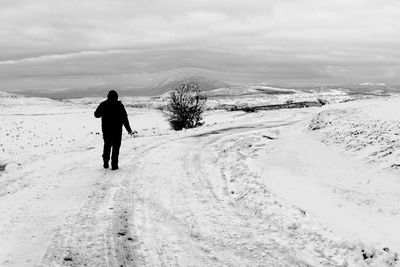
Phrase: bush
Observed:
(185, 107)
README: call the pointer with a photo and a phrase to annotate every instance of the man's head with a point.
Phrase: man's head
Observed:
(112, 95)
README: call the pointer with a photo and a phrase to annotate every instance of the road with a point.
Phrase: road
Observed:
(198, 198)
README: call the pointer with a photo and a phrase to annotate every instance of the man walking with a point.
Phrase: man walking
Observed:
(113, 115)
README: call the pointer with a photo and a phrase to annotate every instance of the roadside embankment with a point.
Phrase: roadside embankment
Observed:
(369, 129)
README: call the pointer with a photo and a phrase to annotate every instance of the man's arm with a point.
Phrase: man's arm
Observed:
(125, 119)
(99, 111)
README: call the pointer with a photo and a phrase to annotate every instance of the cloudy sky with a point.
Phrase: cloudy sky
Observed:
(54, 44)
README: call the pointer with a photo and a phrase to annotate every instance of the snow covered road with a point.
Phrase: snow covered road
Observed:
(244, 190)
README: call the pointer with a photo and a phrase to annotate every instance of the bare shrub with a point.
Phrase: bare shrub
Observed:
(186, 106)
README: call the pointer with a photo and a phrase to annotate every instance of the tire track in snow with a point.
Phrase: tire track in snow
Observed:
(185, 214)
(99, 234)
(172, 206)
(181, 211)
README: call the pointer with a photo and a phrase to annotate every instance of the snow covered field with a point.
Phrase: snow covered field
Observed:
(304, 187)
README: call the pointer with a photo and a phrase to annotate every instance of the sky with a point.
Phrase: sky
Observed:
(54, 44)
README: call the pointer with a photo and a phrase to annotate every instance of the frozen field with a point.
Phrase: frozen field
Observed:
(300, 187)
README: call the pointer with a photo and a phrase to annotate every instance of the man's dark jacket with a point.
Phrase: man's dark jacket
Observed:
(113, 116)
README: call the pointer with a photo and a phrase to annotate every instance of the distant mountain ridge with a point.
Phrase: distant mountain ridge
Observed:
(212, 88)
(159, 88)
(167, 85)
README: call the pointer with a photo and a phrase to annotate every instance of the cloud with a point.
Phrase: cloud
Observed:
(55, 57)
(283, 41)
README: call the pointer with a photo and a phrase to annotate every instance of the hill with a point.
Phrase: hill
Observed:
(206, 84)
(158, 88)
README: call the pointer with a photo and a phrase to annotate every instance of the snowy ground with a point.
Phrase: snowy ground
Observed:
(255, 189)
(220, 98)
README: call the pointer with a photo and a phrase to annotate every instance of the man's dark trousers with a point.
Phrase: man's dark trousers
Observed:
(114, 145)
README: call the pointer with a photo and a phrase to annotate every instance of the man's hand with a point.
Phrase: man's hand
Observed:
(133, 133)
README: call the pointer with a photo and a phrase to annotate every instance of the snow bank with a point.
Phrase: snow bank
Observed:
(369, 128)
(293, 205)
(8, 100)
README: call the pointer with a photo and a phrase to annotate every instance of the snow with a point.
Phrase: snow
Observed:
(369, 128)
(239, 96)
(274, 188)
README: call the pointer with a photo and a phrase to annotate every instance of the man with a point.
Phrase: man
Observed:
(113, 115)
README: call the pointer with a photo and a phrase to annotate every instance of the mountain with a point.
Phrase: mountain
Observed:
(158, 88)
(166, 85)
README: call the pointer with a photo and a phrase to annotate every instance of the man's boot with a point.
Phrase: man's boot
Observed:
(105, 165)
(114, 167)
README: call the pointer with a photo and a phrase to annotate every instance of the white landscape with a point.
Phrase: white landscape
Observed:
(260, 133)
(313, 186)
